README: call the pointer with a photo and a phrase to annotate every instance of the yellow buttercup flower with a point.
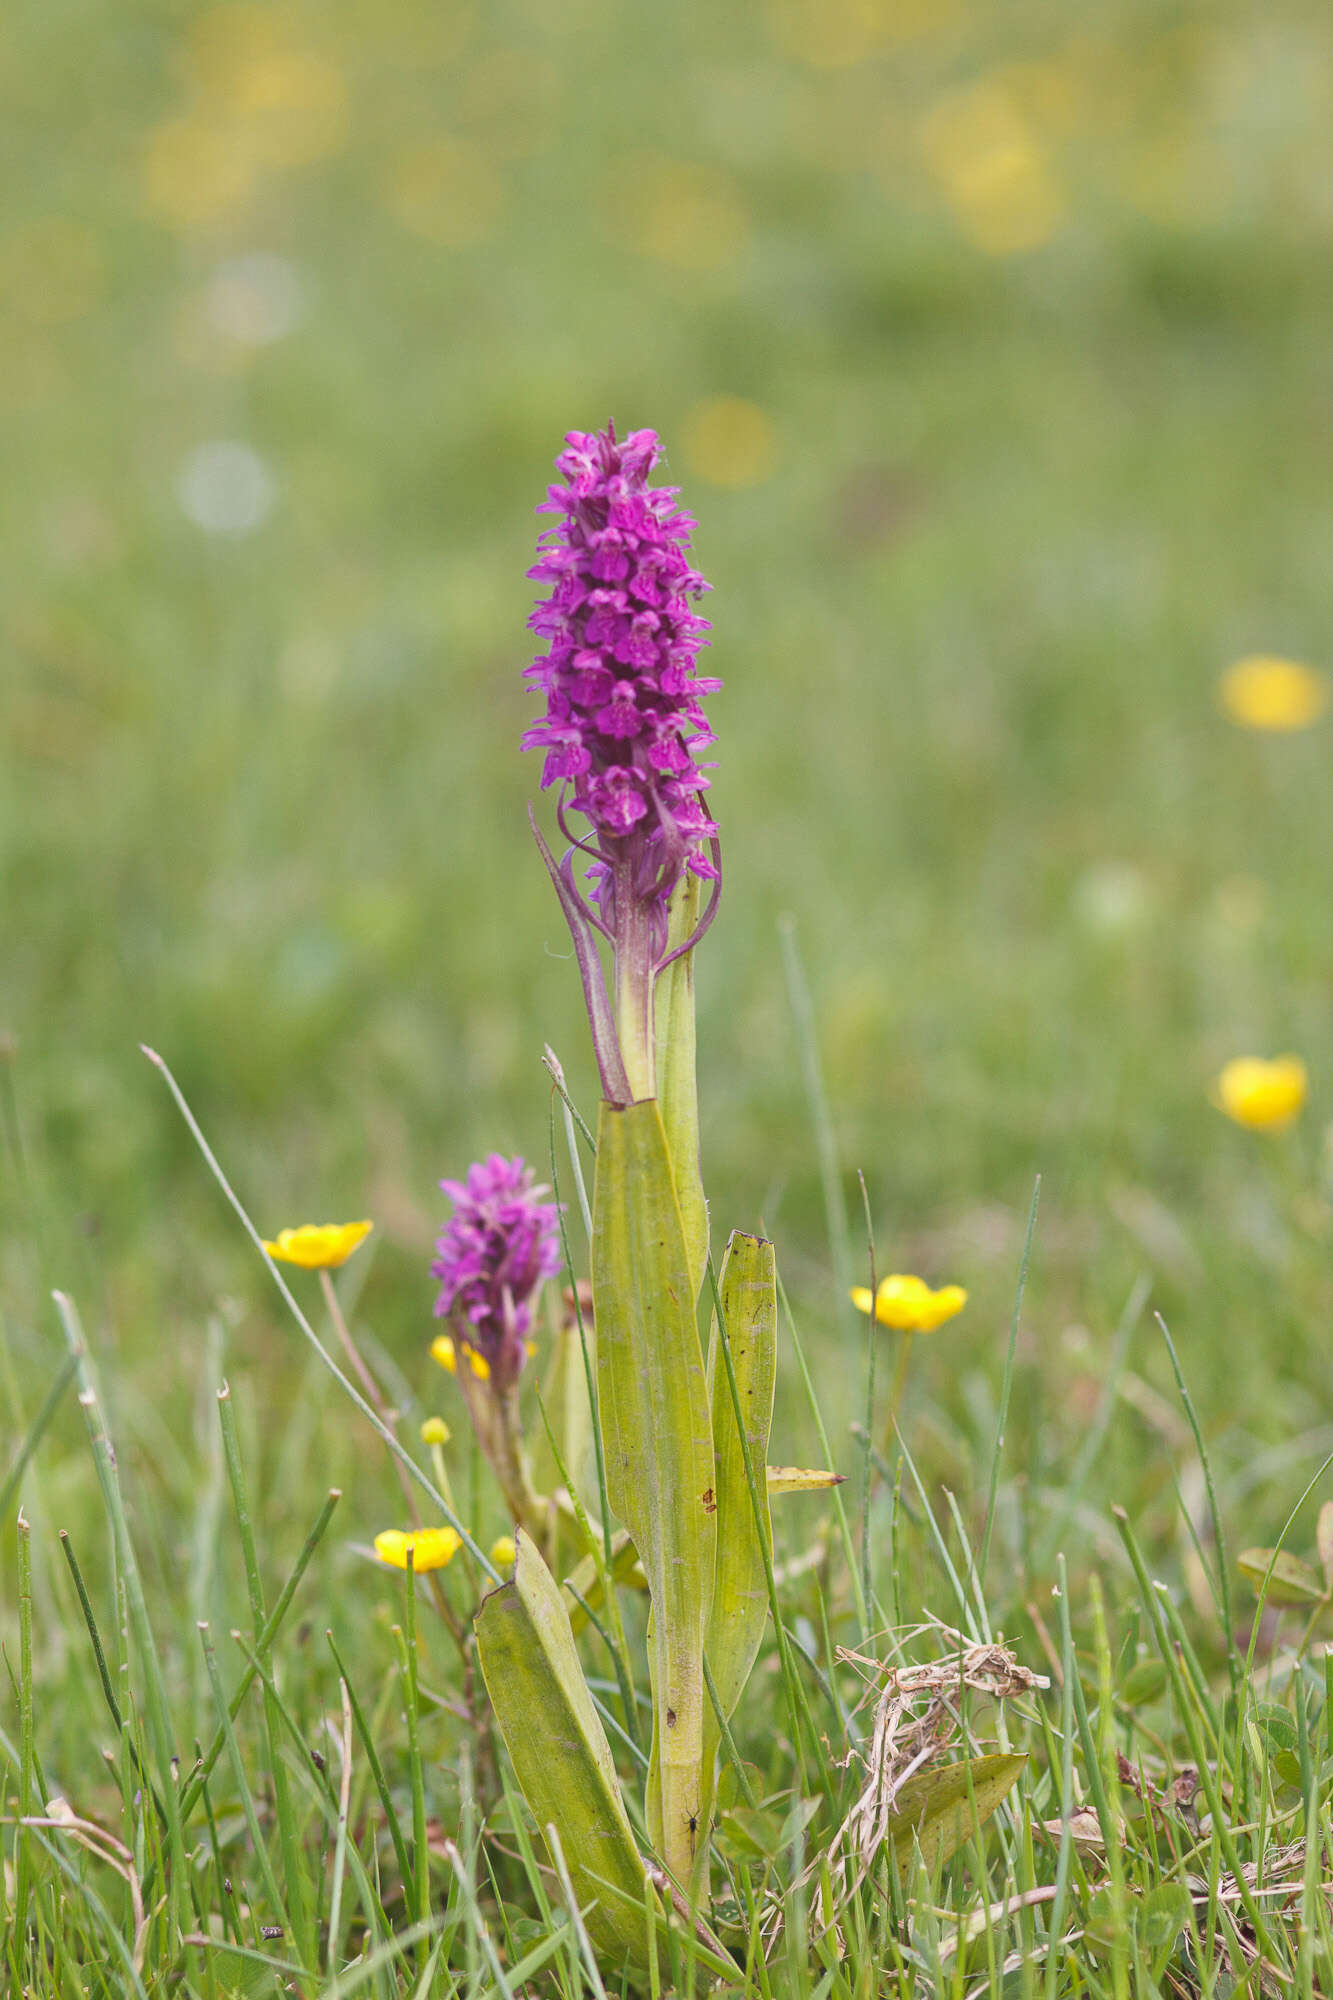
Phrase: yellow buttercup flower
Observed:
(729, 442)
(319, 1246)
(430, 1548)
(908, 1304)
(503, 1552)
(1262, 692)
(443, 1350)
(435, 1431)
(1264, 1096)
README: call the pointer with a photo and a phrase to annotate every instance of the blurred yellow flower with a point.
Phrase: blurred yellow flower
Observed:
(445, 190)
(1264, 1096)
(1263, 692)
(729, 442)
(319, 1246)
(837, 34)
(504, 1552)
(993, 169)
(430, 1548)
(679, 211)
(197, 171)
(259, 100)
(435, 1431)
(443, 1350)
(908, 1304)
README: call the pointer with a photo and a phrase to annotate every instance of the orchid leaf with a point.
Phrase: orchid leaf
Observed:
(747, 1286)
(559, 1750)
(677, 1094)
(657, 1439)
(605, 1041)
(797, 1479)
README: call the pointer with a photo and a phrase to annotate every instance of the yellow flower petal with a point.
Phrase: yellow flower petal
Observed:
(940, 1306)
(909, 1305)
(1264, 1096)
(435, 1431)
(319, 1246)
(430, 1548)
(445, 1352)
(503, 1552)
(1262, 692)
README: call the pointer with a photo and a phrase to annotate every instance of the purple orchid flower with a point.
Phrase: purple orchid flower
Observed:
(501, 1243)
(622, 729)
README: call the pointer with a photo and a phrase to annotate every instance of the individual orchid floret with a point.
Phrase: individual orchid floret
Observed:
(501, 1243)
(623, 726)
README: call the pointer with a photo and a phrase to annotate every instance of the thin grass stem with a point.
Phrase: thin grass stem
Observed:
(1006, 1386)
(367, 1736)
(826, 1145)
(190, 1789)
(37, 1430)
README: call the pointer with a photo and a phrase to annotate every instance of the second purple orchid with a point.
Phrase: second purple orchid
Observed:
(501, 1243)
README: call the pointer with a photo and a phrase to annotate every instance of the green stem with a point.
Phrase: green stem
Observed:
(499, 1428)
(634, 980)
(634, 1014)
(898, 1391)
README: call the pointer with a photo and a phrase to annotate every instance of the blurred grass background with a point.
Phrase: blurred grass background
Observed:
(990, 346)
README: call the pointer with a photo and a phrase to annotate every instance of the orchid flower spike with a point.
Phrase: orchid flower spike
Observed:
(501, 1242)
(622, 729)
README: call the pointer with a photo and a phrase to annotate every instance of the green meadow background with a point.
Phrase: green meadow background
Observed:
(990, 345)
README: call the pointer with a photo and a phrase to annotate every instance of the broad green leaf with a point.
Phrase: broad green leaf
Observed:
(747, 1287)
(559, 1750)
(657, 1439)
(1106, 1926)
(730, 1795)
(1145, 1682)
(1276, 1726)
(677, 1093)
(1292, 1581)
(1287, 1767)
(1159, 1920)
(798, 1479)
(1275, 1740)
(942, 1808)
(746, 1833)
